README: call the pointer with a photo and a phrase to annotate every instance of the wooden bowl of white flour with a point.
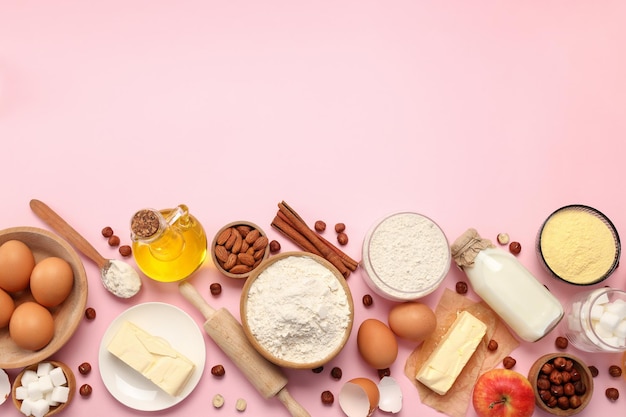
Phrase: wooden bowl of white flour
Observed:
(297, 310)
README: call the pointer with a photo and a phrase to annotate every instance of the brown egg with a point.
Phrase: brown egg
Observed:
(412, 321)
(51, 281)
(359, 397)
(31, 326)
(7, 305)
(377, 344)
(16, 264)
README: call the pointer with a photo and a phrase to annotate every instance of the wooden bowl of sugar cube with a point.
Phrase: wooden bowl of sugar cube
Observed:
(43, 389)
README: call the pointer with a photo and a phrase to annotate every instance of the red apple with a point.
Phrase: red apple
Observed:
(503, 393)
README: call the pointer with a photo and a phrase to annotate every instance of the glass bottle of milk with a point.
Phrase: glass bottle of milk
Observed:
(521, 301)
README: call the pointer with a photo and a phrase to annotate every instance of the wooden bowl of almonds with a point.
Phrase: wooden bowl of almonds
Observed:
(563, 384)
(238, 248)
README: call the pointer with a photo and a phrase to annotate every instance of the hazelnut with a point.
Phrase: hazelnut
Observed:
(215, 288)
(367, 300)
(384, 372)
(240, 404)
(114, 240)
(515, 248)
(560, 363)
(547, 368)
(218, 401)
(84, 368)
(342, 238)
(461, 287)
(503, 238)
(569, 389)
(318, 370)
(340, 227)
(575, 401)
(107, 232)
(320, 226)
(90, 313)
(561, 342)
(327, 397)
(508, 362)
(218, 370)
(492, 345)
(612, 394)
(556, 377)
(563, 402)
(615, 371)
(545, 395)
(557, 390)
(579, 387)
(274, 246)
(594, 371)
(85, 390)
(551, 402)
(125, 250)
(336, 373)
(543, 384)
(575, 375)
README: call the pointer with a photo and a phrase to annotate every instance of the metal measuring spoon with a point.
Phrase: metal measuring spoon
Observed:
(121, 279)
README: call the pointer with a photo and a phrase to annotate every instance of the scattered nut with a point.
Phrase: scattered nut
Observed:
(218, 401)
(318, 370)
(90, 313)
(384, 372)
(215, 288)
(594, 371)
(320, 226)
(241, 404)
(515, 248)
(336, 373)
(342, 238)
(84, 368)
(461, 287)
(492, 345)
(561, 342)
(125, 250)
(612, 394)
(327, 397)
(218, 370)
(114, 240)
(503, 238)
(508, 362)
(274, 246)
(107, 232)
(367, 300)
(85, 390)
(340, 227)
(615, 371)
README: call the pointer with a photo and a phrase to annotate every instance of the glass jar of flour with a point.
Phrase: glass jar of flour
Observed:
(525, 304)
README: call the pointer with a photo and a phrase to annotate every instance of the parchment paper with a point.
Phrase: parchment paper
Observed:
(455, 402)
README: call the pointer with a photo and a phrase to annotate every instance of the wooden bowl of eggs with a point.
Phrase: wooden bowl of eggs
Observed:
(44, 388)
(43, 293)
(563, 384)
(297, 310)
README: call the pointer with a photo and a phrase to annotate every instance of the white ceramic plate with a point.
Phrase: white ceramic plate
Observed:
(128, 386)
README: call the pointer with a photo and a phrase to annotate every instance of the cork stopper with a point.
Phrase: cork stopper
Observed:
(466, 247)
(145, 223)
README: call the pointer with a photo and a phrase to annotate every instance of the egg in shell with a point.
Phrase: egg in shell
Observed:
(412, 321)
(7, 306)
(377, 344)
(359, 397)
(31, 326)
(51, 281)
(16, 264)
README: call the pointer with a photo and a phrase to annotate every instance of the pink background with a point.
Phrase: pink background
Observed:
(482, 114)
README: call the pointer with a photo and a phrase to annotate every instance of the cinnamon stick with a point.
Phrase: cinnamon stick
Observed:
(285, 228)
(300, 226)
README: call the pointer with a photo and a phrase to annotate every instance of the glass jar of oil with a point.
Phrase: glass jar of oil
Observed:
(168, 245)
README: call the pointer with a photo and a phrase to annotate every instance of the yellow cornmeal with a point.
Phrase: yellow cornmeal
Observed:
(578, 246)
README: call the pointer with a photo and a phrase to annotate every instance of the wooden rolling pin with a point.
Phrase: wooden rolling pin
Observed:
(228, 334)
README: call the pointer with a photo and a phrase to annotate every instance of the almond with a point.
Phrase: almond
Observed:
(245, 259)
(259, 254)
(238, 242)
(244, 230)
(260, 243)
(253, 236)
(223, 236)
(230, 262)
(240, 269)
(231, 240)
(221, 253)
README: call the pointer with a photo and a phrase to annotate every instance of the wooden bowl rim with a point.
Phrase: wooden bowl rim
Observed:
(243, 310)
(71, 384)
(533, 374)
(213, 243)
(12, 356)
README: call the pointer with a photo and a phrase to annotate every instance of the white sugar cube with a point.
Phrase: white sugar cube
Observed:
(618, 307)
(596, 311)
(57, 376)
(29, 376)
(49, 400)
(34, 391)
(45, 383)
(21, 393)
(573, 323)
(26, 407)
(608, 321)
(40, 408)
(603, 298)
(620, 330)
(576, 309)
(44, 368)
(60, 394)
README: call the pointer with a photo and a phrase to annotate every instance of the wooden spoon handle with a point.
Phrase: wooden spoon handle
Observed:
(55, 221)
(292, 405)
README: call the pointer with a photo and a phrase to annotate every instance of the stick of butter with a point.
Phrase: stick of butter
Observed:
(452, 353)
(152, 357)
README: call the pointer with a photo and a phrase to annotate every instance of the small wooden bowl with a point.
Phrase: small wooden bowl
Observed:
(71, 384)
(248, 331)
(220, 264)
(67, 316)
(585, 376)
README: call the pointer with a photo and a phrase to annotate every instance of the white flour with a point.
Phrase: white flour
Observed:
(121, 279)
(407, 253)
(297, 310)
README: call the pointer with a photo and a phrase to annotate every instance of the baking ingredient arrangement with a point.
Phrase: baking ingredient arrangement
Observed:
(297, 311)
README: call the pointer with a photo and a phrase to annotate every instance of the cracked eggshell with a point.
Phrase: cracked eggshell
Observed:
(359, 397)
(5, 386)
(390, 395)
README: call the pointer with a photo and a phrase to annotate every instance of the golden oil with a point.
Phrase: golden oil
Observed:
(168, 245)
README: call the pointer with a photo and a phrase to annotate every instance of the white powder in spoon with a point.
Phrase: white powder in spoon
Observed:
(121, 279)
(297, 310)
